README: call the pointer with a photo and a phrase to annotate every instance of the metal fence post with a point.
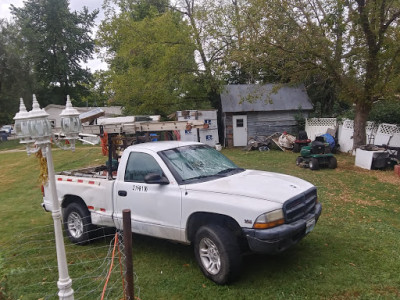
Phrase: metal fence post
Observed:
(126, 215)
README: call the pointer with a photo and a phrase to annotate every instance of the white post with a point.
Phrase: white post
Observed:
(65, 291)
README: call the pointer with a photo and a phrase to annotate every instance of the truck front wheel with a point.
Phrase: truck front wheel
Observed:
(77, 223)
(218, 253)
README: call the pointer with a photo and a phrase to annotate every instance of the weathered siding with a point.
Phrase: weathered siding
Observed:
(267, 123)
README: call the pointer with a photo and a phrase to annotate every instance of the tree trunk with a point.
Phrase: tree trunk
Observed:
(360, 122)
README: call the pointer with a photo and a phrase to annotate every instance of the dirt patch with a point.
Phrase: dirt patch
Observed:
(346, 198)
(388, 291)
(386, 176)
(6, 180)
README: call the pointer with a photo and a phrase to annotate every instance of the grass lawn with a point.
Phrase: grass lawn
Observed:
(353, 252)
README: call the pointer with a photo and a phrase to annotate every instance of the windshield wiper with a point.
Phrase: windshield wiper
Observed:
(198, 177)
(219, 174)
(229, 170)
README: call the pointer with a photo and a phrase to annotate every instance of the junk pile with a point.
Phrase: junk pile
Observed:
(377, 157)
(284, 141)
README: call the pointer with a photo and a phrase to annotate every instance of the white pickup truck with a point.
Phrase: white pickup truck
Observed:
(190, 193)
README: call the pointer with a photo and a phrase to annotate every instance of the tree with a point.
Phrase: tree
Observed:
(98, 95)
(152, 65)
(57, 41)
(16, 80)
(353, 44)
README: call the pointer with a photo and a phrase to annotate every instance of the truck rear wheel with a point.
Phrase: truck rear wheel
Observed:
(77, 223)
(218, 253)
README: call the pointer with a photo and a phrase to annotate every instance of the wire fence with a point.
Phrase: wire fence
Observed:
(28, 266)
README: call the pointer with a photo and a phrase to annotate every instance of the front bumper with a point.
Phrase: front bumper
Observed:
(280, 238)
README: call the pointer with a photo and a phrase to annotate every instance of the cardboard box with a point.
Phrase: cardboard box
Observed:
(212, 124)
(189, 135)
(209, 136)
(187, 115)
(207, 114)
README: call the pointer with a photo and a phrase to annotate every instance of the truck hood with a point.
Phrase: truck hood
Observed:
(261, 185)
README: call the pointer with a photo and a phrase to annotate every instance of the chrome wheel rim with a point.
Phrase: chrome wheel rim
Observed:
(75, 225)
(209, 256)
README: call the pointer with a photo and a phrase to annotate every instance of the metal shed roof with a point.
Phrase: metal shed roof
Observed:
(253, 97)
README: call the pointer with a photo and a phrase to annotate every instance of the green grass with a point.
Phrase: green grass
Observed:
(10, 145)
(353, 252)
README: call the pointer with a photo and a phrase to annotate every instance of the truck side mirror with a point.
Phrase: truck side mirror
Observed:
(155, 178)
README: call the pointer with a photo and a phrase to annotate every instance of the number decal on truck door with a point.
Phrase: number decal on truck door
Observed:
(139, 188)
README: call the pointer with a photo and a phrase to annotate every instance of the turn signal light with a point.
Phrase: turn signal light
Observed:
(269, 224)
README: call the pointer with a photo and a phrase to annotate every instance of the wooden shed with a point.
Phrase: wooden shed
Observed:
(254, 110)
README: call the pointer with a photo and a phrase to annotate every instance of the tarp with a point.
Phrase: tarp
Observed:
(329, 139)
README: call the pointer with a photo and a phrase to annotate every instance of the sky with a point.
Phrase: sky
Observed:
(74, 5)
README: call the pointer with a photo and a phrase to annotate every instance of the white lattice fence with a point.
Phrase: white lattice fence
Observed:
(388, 134)
(395, 140)
(376, 134)
(318, 126)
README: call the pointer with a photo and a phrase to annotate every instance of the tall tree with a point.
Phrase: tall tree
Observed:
(58, 41)
(152, 65)
(216, 32)
(16, 80)
(353, 44)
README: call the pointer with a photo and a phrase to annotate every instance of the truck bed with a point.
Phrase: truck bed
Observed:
(89, 172)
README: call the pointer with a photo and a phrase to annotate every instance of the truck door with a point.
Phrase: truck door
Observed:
(155, 208)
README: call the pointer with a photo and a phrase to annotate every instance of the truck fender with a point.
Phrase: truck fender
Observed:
(199, 219)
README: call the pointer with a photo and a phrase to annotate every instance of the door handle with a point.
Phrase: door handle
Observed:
(122, 193)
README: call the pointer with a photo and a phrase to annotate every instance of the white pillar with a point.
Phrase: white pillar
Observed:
(65, 291)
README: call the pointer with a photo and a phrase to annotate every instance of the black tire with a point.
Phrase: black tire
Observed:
(218, 253)
(77, 223)
(296, 148)
(332, 163)
(313, 164)
(299, 161)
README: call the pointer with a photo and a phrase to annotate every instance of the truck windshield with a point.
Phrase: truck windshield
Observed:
(198, 163)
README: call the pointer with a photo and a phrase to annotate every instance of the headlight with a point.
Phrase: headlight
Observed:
(269, 220)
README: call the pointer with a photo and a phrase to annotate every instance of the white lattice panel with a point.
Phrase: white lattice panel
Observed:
(371, 127)
(322, 122)
(318, 126)
(388, 129)
(384, 134)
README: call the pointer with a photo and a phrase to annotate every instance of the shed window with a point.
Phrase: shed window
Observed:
(239, 122)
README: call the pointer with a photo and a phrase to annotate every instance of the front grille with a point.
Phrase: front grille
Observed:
(300, 205)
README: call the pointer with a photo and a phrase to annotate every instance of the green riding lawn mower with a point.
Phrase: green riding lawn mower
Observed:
(316, 154)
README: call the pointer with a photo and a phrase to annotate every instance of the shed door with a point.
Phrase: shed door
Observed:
(239, 130)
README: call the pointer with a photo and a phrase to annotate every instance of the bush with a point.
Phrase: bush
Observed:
(386, 112)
